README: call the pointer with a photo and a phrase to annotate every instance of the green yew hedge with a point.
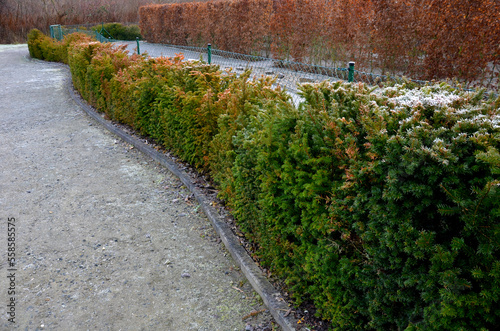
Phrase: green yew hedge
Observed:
(380, 205)
(119, 31)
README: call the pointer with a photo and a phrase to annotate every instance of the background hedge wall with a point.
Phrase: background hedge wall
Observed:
(422, 39)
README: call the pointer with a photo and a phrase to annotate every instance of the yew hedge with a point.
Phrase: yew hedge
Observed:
(119, 31)
(382, 206)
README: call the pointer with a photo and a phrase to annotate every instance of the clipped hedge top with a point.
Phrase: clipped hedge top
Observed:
(381, 205)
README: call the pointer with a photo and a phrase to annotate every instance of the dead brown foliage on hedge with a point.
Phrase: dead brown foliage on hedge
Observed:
(18, 17)
(238, 26)
(423, 39)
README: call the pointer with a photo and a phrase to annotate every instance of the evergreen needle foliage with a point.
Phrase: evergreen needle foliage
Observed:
(381, 205)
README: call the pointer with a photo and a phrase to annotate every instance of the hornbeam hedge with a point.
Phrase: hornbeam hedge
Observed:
(380, 205)
(422, 39)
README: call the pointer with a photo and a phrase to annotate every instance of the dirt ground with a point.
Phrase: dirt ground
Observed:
(105, 239)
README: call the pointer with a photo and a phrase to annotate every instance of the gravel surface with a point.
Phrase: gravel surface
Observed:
(105, 239)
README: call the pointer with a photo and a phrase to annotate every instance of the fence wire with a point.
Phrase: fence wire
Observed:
(288, 74)
(58, 32)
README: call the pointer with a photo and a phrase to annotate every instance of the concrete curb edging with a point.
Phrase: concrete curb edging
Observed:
(259, 282)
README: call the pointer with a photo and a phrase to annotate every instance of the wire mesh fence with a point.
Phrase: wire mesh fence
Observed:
(288, 74)
(58, 32)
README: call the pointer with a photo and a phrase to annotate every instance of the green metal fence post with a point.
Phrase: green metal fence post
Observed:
(138, 49)
(351, 72)
(56, 34)
(209, 49)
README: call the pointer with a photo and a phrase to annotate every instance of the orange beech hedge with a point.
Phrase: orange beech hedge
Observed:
(237, 26)
(423, 39)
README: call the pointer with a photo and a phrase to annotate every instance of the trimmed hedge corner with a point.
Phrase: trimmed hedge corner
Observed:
(380, 205)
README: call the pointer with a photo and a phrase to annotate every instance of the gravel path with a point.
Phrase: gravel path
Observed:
(105, 239)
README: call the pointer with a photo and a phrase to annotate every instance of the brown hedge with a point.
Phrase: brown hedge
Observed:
(238, 26)
(423, 39)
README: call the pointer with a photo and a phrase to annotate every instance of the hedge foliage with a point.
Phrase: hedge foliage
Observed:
(119, 31)
(422, 39)
(381, 205)
(43, 47)
(237, 26)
